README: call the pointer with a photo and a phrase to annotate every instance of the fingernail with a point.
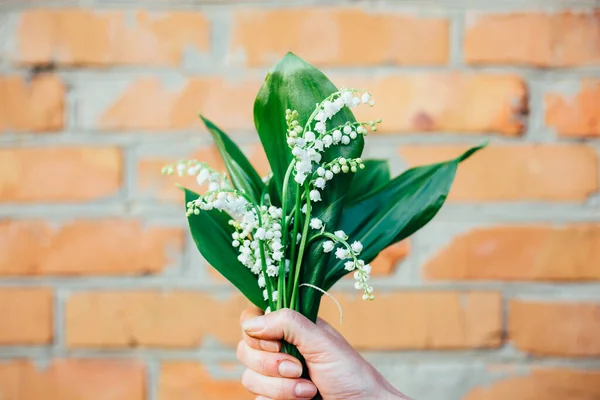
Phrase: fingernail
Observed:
(305, 390)
(254, 324)
(268, 345)
(289, 369)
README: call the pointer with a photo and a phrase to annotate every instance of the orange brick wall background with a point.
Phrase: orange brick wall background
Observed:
(103, 295)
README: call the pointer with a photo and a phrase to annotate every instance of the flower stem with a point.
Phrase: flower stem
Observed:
(300, 255)
(293, 239)
(282, 287)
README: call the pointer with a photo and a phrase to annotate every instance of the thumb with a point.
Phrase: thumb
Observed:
(290, 326)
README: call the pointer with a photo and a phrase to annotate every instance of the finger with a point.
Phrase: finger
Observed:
(291, 326)
(263, 398)
(266, 345)
(249, 313)
(278, 388)
(272, 346)
(269, 364)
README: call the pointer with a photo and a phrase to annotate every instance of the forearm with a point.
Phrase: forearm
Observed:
(390, 393)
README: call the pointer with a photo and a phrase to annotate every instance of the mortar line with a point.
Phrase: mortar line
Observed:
(153, 370)
(505, 6)
(457, 27)
(60, 297)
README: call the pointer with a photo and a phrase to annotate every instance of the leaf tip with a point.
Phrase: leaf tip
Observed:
(472, 151)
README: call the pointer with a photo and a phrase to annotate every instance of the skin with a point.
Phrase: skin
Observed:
(336, 369)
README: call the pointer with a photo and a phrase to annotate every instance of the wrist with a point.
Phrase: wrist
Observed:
(385, 390)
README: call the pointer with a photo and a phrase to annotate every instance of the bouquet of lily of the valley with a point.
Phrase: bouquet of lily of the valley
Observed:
(323, 212)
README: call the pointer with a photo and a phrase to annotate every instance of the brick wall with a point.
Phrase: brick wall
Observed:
(102, 294)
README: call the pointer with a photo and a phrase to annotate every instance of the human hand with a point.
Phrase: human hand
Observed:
(337, 371)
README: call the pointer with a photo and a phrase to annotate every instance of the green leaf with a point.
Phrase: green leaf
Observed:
(243, 175)
(375, 175)
(397, 210)
(296, 85)
(212, 234)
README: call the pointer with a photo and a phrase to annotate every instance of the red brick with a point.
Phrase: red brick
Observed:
(542, 383)
(386, 262)
(418, 320)
(73, 379)
(82, 37)
(187, 379)
(554, 172)
(555, 328)
(525, 252)
(25, 316)
(92, 247)
(146, 318)
(148, 105)
(578, 115)
(542, 40)
(341, 36)
(469, 103)
(37, 105)
(60, 174)
(151, 183)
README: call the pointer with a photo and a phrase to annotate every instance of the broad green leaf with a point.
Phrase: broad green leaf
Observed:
(296, 85)
(397, 210)
(212, 234)
(243, 175)
(375, 175)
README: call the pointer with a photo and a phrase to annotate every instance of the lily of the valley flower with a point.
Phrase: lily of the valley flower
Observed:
(263, 234)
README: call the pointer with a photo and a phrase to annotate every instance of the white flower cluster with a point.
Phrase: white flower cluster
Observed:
(220, 195)
(327, 171)
(253, 232)
(351, 252)
(309, 142)
(201, 171)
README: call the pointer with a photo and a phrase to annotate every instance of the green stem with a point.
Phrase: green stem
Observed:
(300, 255)
(281, 286)
(315, 237)
(293, 239)
(262, 195)
(340, 127)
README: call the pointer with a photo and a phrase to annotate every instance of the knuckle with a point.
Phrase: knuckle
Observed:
(286, 315)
